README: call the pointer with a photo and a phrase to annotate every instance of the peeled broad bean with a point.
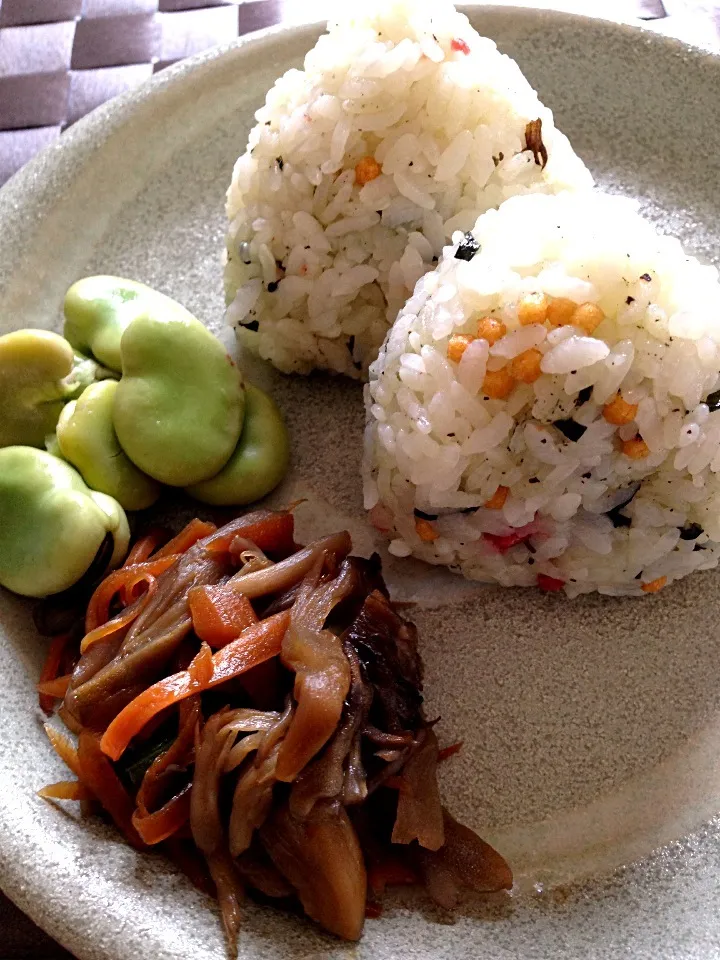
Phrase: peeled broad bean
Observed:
(179, 408)
(259, 462)
(87, 439)
(98, 310)
(51, 524)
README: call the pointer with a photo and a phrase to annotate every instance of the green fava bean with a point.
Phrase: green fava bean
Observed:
(88, 441)
(99, 309)
(259, 462)
(38, 373)
(51, 524)
(179, 407)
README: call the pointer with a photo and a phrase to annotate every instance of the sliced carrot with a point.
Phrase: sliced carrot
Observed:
(497, 500)
(457, 345)
(156, 827)
(635, 449)
(390, 872)
(255, 645)
(188, 537)
(98, 775)
(366, 170)
(63, 748)
(653, 586)
(446, 752)
(619, 411)
(123, 619)
(141, 553)
(498, 384)
(201, 666)
(65, 790)
(219, 613)
(51, 667)
(178, 756)
(143, 549)
(98, 611)
(425, 530)
(54, 689)
(272, 532)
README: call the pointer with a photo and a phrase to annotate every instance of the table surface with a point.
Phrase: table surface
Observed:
(59, 59)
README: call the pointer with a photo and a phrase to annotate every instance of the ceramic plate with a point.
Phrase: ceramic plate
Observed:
(591, 727)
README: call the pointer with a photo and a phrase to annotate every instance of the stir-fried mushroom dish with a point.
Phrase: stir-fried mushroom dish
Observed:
(254, 709)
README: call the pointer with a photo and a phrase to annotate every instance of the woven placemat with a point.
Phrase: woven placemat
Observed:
(61, 58)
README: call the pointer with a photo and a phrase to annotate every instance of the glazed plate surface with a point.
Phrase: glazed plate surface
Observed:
(591, 727)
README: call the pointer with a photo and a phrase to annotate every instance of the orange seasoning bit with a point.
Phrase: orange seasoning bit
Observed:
(532, 308)
(526, 366)
(457, 345)
(654, 585)
(491, 329)
(560, 310)
(425, 530)
(498, 384)
(587, 317)
(497, 500)
(619, 412)
(366, 170)
(636, 448)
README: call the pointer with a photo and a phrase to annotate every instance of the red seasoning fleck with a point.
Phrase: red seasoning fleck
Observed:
(459, 45)
(504, 542)
(549, 584)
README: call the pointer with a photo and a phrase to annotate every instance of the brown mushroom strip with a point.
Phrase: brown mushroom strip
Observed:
(230, 893)
(325, 778)
(211, 753)
(321, 858)
(254, 790)
(258, 871)
(419, 811)
(534, 142)
(463, 860)
(322, 672)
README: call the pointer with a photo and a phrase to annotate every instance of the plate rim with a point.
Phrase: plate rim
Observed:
(28, 187)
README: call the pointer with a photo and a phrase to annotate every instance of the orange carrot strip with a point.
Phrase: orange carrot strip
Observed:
(156, 827)
(272, 533)
(54, 689)
(391, 872)
(201, 667)
(194, 531)
(98, 611)
(65, 790)
(255, 645)
(98, 775)
(219, 613)
(450, 751)
(63, 748)
(51, 667)
(123, 619)
(146, 546)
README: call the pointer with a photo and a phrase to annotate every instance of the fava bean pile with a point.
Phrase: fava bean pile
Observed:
(137, 394)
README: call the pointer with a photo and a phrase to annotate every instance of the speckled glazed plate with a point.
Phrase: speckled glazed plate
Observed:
(591, 727)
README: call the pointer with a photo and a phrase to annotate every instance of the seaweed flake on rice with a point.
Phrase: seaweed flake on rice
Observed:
(572, 364)
(404, 125)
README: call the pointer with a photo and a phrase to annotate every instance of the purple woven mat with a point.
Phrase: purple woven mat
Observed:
(61, 58)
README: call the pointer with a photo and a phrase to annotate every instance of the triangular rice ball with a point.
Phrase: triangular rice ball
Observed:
(404, 125)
